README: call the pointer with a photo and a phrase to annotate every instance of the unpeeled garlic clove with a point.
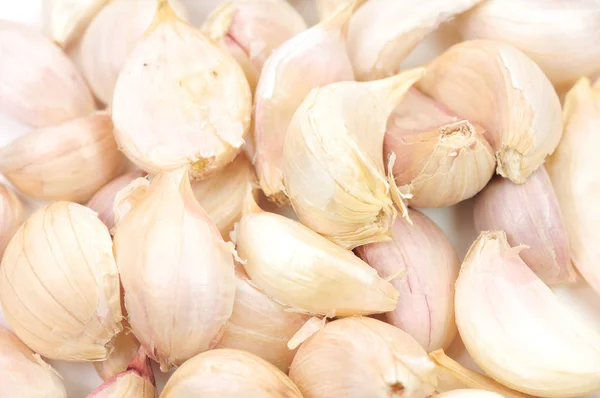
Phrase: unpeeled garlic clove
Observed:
(516, 329)
(326, 8)
(311, 59)
(124, 349)
(530, 215)
(11, 215)
(469, 393)
(498, 87)
(68, 19)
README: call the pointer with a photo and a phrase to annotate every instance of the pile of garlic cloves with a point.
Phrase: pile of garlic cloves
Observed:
(275, 198)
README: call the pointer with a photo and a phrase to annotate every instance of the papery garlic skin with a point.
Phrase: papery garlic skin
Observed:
(516, 329)
(425, 308)
(68, 19)
(11, 215)
(59, 285)
(125, 346)
(469, 393)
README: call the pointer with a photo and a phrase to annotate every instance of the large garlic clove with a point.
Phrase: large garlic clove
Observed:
(124, 349)
(69, 161)
(390, 362)
(226, 373)
(39, 85)
(498, 87)
(175, 268)
(312, 59)
(11, 215)
(68, 19)
(516, 329)
(59, 284)
(469, 393)
(530, 215)
(425, 308)
(333, 165)
(326, 8)
(440, 159)
(180, 100)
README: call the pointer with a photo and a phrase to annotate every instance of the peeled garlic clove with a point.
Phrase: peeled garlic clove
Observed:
(469, 393)
(529, 214)
(425, 307)
(69, 161)
(326, 8)
(68, 19)
(334, 168)
(516, 329)
(11, 215)
(311, 59)
(59, 286)
(124, 349)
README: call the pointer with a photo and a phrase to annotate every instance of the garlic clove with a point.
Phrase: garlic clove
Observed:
(326, 8)
(68, 19)
(59, 284)
(311, 59)
(469, 393)
(333, 159)
(124, 349)
(496, 86)
(529, 214)
(40, 163)
(516, 329)
(11, 215)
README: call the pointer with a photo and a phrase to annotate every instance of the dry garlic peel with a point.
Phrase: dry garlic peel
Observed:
(68, 19)
(59, 284)
(326, 8)
(498, 87)
(516, 329)
(125, 346)
(11, 215)
(180, 100)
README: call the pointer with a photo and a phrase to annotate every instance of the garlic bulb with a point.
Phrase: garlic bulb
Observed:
(311, 59)
(469, 393)
(175, 268)
(334, 168)
(251, 29)
(440, 159)
(124, 349)
(69, 161)
(516, 329)
(59, 286)
(326, 8)
(391, 363)
(68, 19)
(11, 215)
(498, 87)
(383, 32)
(180, 100)
(529, 214)
(39, 85)
(425, 308)
(23, 373)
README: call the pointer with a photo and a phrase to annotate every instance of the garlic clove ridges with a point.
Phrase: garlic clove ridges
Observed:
(68, 19)
(11, 216)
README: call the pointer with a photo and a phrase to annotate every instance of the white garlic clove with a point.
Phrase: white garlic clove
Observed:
(498, 87)
(392, 363)
(11, 215)
(69, 161)
(60, 287)
(68, 19)
(124, 349)
(469, 393)
(516, 329)
(326, 8)
(529, 213)
(311, 59)
(333, 159)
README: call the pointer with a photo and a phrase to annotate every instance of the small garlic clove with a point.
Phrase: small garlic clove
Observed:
(469, 393)
(516, 329)
(124, 349)
(326, 8)
(68, 19)
(530, 215)
(11, 216)
(311, 59)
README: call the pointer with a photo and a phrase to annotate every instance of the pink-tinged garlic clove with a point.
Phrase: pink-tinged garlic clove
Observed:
(11, 216)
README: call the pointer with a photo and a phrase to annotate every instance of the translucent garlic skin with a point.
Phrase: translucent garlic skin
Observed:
(11, 215)
(68, 19)
(124, 349)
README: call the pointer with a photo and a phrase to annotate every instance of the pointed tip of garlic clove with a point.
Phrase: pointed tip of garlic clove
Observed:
(68, 19)
(392, 89)
(219, 21)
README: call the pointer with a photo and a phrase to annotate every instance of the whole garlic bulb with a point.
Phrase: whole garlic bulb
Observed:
(59, 285)
(68, 19)
(11, 215)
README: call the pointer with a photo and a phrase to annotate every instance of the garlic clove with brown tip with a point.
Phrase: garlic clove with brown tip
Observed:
(11, 215)
(68, 19)
(124, 349)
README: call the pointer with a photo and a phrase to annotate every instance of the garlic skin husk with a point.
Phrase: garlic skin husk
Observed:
(469, 393)
(11, 215)
(326, 8)
(175, 268)
(227, 373)
(516, 329)
(440, 159)
(529, 214)
(24, 374)
(68, 19)
(59, 287)
(311, 59)
(425, 308)
(125, 346)
(393, 364)
(333, 160)
(499, 88)
(39, 85)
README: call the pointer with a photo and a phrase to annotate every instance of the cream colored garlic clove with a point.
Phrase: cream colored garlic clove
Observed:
(326, 8)
(469, 393)
(516, 329)
(425, 308)
(39, 85)
(124, 349)
(333, 163)
(11, 215)
(530, 215)
(311, 59)
(440, 159)
(362, 357)
(69, 161)
(68, 19)
(180, 100)
(59, 286)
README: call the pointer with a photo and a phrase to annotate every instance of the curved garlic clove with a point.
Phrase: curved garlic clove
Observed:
(530, 215)
(60, 287)
(314, 58)
(124, 349)
(498, 87)
(333, 165)
(226, 373)
(68, 19)
(11, 215)
(516, 329)
(469, 393)
(326, 8)
(425, 308)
